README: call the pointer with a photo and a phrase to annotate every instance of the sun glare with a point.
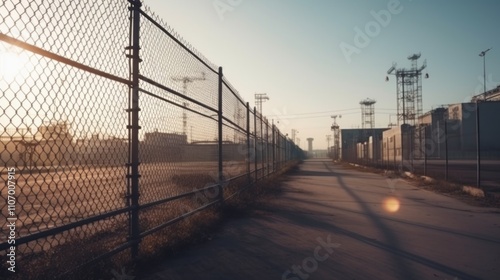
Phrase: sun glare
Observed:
(391, 204)
(12, 64)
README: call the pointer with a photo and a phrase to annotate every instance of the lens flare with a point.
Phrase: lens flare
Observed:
(391, 204)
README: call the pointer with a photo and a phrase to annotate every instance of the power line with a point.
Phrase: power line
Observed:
(311, 117)
(313, 113)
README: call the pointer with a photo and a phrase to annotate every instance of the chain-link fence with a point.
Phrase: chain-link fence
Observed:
(112, 130)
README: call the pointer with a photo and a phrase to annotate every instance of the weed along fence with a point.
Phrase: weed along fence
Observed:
(114, 132)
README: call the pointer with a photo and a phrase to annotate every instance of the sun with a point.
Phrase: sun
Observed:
(12, 65)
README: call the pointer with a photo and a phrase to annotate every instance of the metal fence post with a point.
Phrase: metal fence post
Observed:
(282, 151)
(446, 149)
(268, 158)
(133, 128)
(219, 125)
(412, 148)
(274, 147)
(249, 157)
(262, 143)
(425, 151)
(255, 142)
(394, 152)
(478, 147)
(286, 150)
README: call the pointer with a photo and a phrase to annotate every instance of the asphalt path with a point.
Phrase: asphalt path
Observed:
(332, 222)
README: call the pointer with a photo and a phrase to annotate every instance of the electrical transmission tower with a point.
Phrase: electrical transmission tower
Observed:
(409, 90)
(185, 81)
(367, 113)
(259, 99)
(294, 134)
(328, 139)
(336, 137)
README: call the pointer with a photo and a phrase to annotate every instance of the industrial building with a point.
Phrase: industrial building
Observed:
(361, 143)
(447, 132)
(397, 143)
(431, 134)
(490, 95)
(162, 146)
(461, 129)
(52, 144)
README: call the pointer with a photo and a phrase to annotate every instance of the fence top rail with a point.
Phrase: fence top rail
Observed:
(62, 59)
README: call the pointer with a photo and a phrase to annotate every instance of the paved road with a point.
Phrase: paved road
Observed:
(334, 223)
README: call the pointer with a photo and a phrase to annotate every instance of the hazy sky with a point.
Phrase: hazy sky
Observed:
(311, 59)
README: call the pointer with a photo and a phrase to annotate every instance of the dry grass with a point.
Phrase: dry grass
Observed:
(76, 247)
(201, 227)
(81, 245)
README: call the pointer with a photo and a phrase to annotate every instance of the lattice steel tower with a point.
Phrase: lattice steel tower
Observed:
(367, 113)
(336, 137)
(409, 99)
(409, 90)
(185, 81)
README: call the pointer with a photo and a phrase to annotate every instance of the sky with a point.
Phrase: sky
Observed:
(319, 58)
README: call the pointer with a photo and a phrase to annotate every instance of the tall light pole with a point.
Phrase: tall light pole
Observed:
(478, 137)
(483, 55)
(328, 139)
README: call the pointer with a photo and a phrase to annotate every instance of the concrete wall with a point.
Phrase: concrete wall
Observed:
(397, 143)
(464, 128)
(351, 137)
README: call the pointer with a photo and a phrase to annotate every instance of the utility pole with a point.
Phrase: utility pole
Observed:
(294, 134)
(185, 81)
(259, 99)
(328, 139)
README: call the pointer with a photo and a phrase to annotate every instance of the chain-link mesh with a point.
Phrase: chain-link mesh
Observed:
(62, 129)
(67, 112)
